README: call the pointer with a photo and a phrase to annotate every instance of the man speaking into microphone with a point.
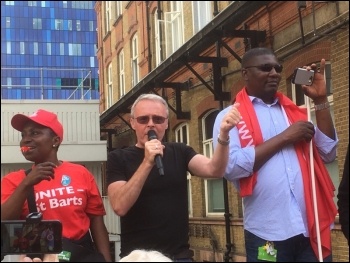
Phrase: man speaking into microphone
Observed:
(147, 182)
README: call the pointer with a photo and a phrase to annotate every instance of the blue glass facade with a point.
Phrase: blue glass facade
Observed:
(48, 49)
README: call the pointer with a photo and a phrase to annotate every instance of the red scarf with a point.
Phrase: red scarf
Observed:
(250, 134)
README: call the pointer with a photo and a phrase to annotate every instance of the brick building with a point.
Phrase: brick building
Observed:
(189, 52)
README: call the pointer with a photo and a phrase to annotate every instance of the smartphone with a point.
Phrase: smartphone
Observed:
(302, 76)
(24, 237)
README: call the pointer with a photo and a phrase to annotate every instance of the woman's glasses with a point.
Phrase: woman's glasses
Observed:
(268, 67)
(155, 119)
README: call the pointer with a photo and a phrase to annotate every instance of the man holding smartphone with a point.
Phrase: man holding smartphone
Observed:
(269, 164)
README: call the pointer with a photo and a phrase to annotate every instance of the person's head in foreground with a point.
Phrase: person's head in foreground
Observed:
(140, 255)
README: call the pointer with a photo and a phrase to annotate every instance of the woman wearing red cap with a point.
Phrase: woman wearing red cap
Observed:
(63, 190)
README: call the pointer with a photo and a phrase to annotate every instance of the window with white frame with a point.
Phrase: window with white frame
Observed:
(107, 16)
(78, 25)
(48, 49)
(35, 48)
(8, 22)
(59, 24)
(92, 62)
(8, 47)
(70, 49)
(182, 135)
(121, 74)
(61, 49)
(91, 26)
(301, 100)
(37, 24)
(134, 61)
(157, 38)
(27, 83)
(214, 188)
(70, 25)
(202, 14)
(118, 8)
(74, 49)
(109, 86)
(40, 26)
(173, 25)
(22, 48)
(9, 82)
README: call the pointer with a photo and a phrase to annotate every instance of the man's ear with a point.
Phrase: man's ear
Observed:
(244, 73)
(132, 123)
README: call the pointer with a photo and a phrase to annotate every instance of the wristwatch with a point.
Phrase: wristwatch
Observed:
(322, 106)
(222, 142)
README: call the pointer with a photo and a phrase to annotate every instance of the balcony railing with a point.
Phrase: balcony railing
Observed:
(48, 83)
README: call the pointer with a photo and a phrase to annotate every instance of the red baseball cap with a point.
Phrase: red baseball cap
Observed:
(42, 117)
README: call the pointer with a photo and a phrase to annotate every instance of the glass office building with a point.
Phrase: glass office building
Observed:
(48, 50)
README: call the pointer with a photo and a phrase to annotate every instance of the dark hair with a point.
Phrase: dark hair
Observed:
(254, 52)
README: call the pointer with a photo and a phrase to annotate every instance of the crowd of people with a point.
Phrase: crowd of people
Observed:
(263, 144)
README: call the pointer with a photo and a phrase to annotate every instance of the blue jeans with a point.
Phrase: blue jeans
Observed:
(295, 249)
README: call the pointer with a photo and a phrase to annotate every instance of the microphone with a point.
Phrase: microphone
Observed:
(152, 135)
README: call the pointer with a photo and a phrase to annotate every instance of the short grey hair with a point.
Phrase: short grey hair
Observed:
(149, 96)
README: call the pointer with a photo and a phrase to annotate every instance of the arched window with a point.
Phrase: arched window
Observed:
(182, 135)
(214, 188)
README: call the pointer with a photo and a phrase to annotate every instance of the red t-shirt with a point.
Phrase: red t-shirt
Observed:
(69, 197)
(22, 243)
